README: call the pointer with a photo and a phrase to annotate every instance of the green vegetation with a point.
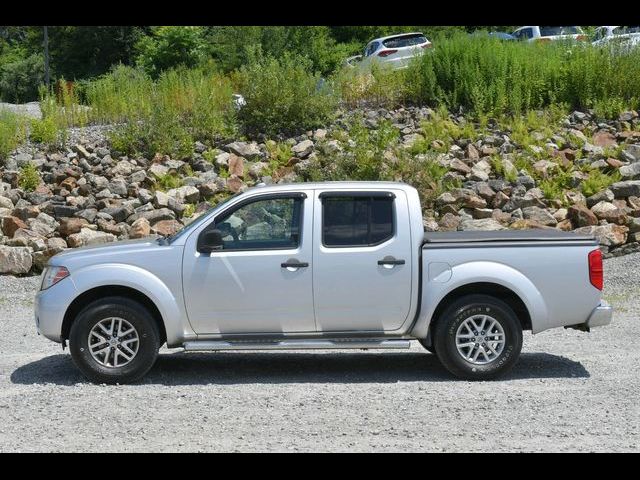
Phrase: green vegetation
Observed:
(29, 178)
(12, 132)
(283, 96)
(598, 181)
(168, 181)
(44, 131)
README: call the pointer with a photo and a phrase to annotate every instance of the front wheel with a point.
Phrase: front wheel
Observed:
(478, 337)
(114, 340)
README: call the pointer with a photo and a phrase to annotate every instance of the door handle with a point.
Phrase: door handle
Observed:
(391, 261)
(293, 263)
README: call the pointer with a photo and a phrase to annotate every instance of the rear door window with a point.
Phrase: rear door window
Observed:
(405, 41)
(358, 220)
(551, 31)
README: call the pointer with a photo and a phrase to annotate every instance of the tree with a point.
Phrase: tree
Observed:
(169, 47)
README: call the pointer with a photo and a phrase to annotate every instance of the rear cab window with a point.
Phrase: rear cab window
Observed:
(360, 219)
(552, 31)
(402, 41)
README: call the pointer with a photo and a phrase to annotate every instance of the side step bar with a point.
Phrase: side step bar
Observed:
(215, 345)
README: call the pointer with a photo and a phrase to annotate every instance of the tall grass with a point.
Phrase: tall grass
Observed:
(165, 115)
(488, 76)
(13, 129)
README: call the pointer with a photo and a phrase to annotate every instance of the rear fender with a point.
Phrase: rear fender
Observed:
(451, 278)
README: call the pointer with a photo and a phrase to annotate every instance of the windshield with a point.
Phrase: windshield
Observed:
(551, 31)
(187, 228)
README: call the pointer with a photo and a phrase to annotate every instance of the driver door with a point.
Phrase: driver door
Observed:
(248, 286)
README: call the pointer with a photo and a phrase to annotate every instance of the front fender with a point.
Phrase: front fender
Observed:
(171, 309)
(435, 289)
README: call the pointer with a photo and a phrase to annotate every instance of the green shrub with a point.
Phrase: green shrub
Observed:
(283, 96)
(169, 181)
(598, 181)
(29, 178)
(44, 131)
(12, 132)
(20, 79)
(171, 46)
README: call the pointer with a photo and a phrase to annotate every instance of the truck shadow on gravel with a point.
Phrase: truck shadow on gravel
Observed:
(273, 368)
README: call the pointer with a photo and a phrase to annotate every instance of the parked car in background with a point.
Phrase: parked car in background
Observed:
(617, 35)
(548, 34)
(395, 51)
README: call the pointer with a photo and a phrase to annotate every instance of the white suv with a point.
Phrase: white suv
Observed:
(547, 34)
(614, 35)
(395, 51)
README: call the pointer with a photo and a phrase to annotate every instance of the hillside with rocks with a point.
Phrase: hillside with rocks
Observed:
(87, 193)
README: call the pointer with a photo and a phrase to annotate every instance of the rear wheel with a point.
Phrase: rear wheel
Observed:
(114, 340)
(478, 337)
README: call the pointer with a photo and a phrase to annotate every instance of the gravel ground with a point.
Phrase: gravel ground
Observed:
(570, 391)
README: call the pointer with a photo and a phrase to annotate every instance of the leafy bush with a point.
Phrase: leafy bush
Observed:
(44, 131)
(283, 96)
(169, 181)
(29, 178)
(169, 47)
(12, 132)
(598, 181)
(20, 79)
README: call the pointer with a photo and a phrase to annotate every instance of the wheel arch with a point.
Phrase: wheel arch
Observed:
(89, 296)
(495, 290)
(484, 277)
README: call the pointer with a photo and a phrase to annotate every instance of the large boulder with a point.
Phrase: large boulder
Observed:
(609, 212)
(15, 260)
(186, 194)
(539, 215)
(247, 150)
(581, 216)
(140, 228)
(86, 237)
(167, 227)
(626, 188)
(303, 149)
(10, 224)
(607, 235)
(480, 224)
(69, 226)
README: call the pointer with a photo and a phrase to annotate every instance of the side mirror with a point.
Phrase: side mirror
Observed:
(209, 241)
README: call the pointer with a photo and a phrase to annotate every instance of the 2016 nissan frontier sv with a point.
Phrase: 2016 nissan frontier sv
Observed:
(314, 266)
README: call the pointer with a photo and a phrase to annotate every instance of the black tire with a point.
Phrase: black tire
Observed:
(427, 347)
(447, 326)
(138, 317)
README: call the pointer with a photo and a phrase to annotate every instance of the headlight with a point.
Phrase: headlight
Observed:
(53, 275)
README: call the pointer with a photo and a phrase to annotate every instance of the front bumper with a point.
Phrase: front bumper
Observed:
(600, 316)
(50, 306)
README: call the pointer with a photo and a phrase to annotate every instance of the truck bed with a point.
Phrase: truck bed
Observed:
(544, 236)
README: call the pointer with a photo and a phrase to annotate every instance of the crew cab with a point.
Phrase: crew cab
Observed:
(344, 265)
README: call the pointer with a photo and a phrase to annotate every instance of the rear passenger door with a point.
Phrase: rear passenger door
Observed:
(362, 260)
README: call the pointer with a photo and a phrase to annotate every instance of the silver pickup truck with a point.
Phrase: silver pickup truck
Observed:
(343, 265)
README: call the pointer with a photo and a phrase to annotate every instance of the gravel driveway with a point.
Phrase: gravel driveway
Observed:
(570, 391)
